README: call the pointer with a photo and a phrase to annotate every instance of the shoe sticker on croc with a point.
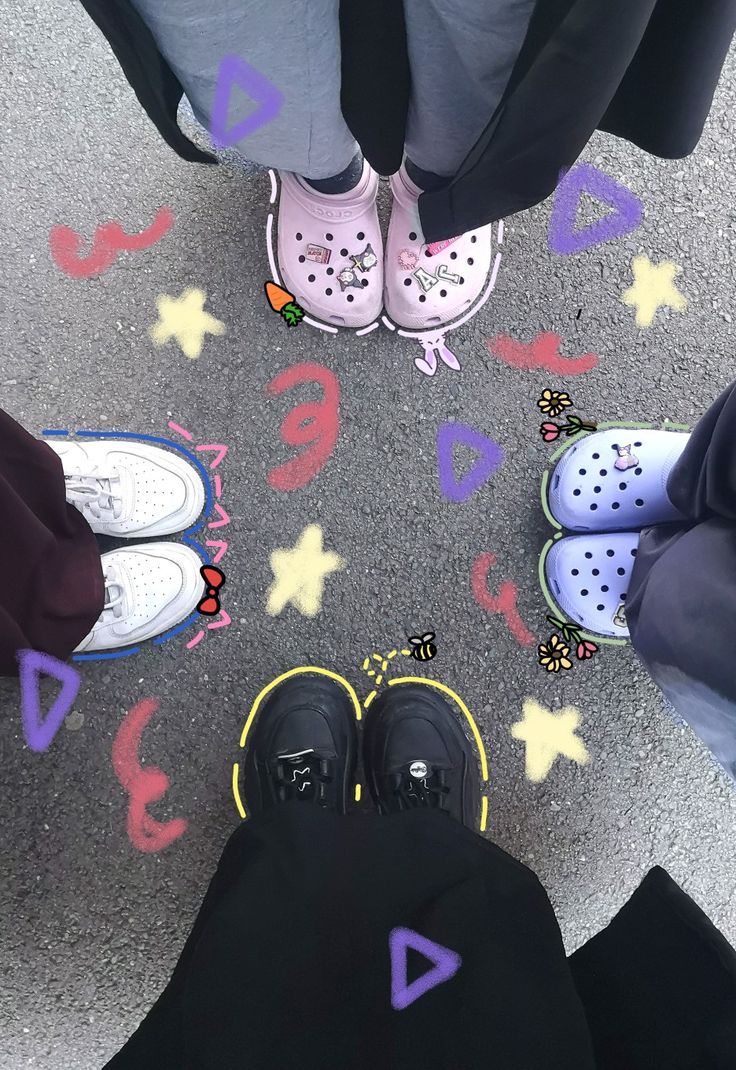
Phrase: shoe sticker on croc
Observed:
(408, 259)
(425, 280)
(347, 277)
(366, 260)
(318, 254)
(625, 458)
(619, 618)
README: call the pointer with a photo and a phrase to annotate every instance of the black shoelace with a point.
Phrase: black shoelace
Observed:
(303, 776)
(412, 792)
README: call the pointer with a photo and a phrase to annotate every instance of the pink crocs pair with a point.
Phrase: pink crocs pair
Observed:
(331, 256)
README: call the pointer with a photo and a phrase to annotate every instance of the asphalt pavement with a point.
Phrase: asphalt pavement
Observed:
(90, 925)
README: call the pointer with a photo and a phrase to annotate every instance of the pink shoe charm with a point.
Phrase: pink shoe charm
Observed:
(435, 349)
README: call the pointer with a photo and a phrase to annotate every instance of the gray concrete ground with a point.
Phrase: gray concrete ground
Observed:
(90, 926)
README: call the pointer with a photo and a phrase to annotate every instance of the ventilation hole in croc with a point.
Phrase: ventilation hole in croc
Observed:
(407, 282)
(584, 592)
(576, 493)
(298, 236)
(596, 571)
(637, 471)
(622, 486)
(328, 291)
(604, 588)
(593, 507)
(600, 607)
(636, 444)
(610, 553)
(462, 279)
(615, 505)
(330, 271)
(604, 472)
(443, 293)
(427, 252)
(473, 238)
(364, 282)
(620, 571)
(350, 298)
(422, 298)
(633, 553)
(622, 597)
(596, 456)
(302, 259)
(412, 236)
(581, 471)
(343, 252)
(453, 256)
(311, 278)
(588, 554)
(639, 501)
(471, 261)
(574, 571)
(360, 235)
(596, 490)
(328, 237)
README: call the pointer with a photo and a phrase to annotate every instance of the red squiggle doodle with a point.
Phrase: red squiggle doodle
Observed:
(315, 424)
(504, 602)
(144, 786)
(543, 352)
(110, 239)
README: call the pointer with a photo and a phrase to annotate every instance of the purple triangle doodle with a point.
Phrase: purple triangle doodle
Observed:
(490, 458)
(235, 71)
(39, 730)
(563, 238)
(446, 965)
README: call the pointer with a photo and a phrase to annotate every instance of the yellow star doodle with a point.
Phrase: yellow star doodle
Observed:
(546, 735)
(185, 319)
(653, 288)
(299, 574)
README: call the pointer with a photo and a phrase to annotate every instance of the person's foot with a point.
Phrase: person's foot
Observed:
(330, 250)
(416, 755)
(124, 488)
(148, 590)
(616, 480)
(427, 286)
(588, 577)
(303, 745)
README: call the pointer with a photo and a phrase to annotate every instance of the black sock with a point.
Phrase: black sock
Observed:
(426, 180)
(346, 180)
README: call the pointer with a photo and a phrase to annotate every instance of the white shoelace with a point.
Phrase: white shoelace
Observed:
(113, 595)
(94, 492)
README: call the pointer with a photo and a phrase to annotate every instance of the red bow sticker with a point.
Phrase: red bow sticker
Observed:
(210, 604)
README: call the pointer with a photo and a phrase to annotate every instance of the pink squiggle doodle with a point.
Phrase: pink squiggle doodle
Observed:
(193, 642)
(218, 486)
(222, 622)
(221, 552)
(180, 430)
(221, 453)
(219, 523)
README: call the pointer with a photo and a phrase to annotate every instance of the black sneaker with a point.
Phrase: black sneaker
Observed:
(416, 754)
(303, 745)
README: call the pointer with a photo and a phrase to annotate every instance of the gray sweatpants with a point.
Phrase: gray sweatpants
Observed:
(461, 54)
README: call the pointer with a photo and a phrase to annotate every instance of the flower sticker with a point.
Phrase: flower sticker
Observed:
(550, 431)
(553, 654)
(553, 402)
(584, 648)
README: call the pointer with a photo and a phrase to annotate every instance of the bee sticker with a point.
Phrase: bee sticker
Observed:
(422, 647)
(625, 459)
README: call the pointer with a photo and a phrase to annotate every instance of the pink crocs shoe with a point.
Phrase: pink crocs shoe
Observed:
(330, 250)
(430, 285)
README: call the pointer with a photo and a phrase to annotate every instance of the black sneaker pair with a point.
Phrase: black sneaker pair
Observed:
(304, 745)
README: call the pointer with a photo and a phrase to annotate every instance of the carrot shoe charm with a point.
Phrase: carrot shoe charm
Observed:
(283, 302)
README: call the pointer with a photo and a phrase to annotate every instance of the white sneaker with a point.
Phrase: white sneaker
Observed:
(148, 590)
(330, 250)
(430, 285)
(123, 487)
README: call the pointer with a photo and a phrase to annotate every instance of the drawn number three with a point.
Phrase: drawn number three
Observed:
(314, 424)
